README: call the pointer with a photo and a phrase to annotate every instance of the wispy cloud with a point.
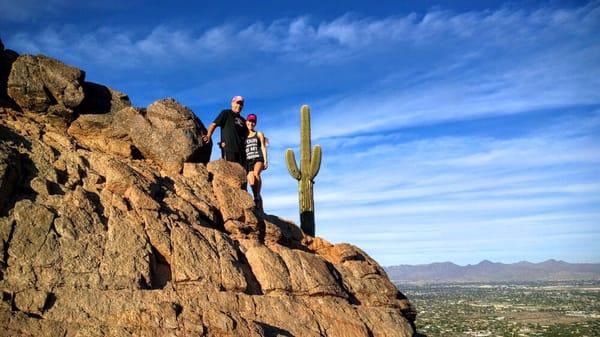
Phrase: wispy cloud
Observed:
(405, 70)
(306, 38)
(446, 193)
(384, 93)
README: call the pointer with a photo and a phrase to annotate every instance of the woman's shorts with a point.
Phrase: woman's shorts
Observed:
(250, 164)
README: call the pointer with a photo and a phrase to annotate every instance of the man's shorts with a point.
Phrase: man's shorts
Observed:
(235, 157)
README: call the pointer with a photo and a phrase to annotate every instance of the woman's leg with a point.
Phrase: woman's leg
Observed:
(251, 180)
(249, 176)
(258, 167)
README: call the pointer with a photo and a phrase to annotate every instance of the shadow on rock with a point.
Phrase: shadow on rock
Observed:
(273, 331)
(16, 171)
(100, 99)
(7, 58)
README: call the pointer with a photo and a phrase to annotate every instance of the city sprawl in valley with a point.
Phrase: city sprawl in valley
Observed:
(541, 309)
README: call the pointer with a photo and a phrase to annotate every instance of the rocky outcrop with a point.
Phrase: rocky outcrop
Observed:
(45, 85)
(166, 132)
(171, 134)
(108, 133)
(116, 228)
(48, 86)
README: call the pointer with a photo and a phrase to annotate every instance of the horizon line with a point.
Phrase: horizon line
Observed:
(484, 260)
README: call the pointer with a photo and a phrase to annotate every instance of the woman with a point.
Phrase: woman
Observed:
(256, 158)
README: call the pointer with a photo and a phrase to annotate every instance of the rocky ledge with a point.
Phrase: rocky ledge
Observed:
(114, 223)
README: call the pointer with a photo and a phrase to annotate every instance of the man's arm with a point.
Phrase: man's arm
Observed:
(211, 129)
(219, 121)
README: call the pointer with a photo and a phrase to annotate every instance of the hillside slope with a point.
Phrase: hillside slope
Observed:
(112, 223)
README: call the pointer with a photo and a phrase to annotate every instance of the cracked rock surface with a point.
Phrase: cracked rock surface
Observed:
(105, 230)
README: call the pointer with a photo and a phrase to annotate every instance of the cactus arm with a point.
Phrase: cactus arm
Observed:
(291, 164)
(315, 162)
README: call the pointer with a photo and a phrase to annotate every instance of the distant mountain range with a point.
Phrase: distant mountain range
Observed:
(487, 271)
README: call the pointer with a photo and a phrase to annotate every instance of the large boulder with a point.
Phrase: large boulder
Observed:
(171, 134)
(166, 132)
(45, 85)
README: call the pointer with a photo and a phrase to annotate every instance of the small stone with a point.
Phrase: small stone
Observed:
(31, 301)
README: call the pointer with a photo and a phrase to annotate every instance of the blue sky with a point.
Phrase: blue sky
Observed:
(451, 131)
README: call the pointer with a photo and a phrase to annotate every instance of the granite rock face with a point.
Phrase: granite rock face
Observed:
(170, 133)
(45, 85)
(107, 232)
(166, 132)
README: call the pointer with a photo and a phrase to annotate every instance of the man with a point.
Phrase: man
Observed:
(233, 131)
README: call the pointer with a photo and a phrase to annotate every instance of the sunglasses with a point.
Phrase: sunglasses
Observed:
(240, 102)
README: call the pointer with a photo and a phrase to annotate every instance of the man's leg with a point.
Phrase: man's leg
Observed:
(231, 156)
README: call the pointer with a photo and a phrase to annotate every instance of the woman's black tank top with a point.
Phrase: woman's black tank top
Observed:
(253, 148)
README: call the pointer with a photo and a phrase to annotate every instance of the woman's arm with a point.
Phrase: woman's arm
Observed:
(263, 148)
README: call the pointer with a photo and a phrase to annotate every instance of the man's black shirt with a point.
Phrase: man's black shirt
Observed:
(233, 130)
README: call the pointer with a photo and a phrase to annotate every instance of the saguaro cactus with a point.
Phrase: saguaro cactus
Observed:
(309, 167)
